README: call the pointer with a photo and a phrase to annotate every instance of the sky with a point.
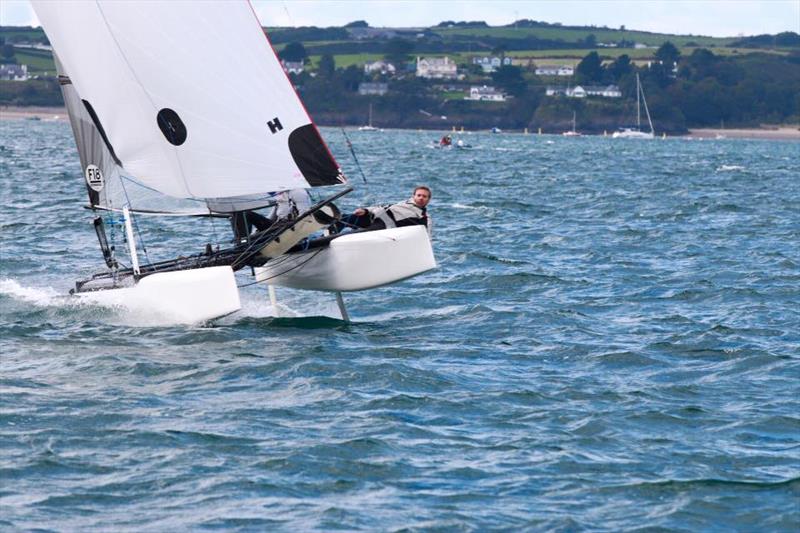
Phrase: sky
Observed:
(718, 18)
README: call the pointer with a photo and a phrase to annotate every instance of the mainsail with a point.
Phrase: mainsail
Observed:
(188, 98)
(108, 185)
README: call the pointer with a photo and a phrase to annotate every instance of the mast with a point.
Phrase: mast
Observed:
(638, 105)
(647, 111)
(369, 123)
(131, 240)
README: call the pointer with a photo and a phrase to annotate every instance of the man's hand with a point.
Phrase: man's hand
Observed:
(360, 211)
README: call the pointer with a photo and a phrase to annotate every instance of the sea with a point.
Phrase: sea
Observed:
(610, 342)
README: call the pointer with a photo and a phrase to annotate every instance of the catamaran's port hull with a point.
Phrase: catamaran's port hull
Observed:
(354, 262)
(180, 297)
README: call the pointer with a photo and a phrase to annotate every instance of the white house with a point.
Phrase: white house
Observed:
(379, 66)
(436, 67)
(14, 72)
(490, 64)
(564, 70)
(575, 92)
(292, 67)
(485, 93)
(608, 91)
(369, 88)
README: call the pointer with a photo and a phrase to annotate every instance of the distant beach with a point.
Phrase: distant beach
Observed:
(42, 113)
(774, 132)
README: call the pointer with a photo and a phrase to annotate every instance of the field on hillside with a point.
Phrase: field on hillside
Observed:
(38, 61)
(571, 56)
(576, 34)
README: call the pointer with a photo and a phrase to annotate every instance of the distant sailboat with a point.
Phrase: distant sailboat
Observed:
(369, 126)
(637, 133)
(572, 132)
(154, 139)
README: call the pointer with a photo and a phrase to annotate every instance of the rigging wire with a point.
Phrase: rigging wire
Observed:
(355, 157)
(213, 229)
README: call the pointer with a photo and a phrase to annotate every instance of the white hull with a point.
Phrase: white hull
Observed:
(180, 297)
(632, 134)
(354, 262)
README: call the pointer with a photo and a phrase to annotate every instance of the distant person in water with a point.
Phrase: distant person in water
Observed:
(446, 141)
(412, 212)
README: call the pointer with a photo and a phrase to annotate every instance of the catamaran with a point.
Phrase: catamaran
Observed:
(158, 134)
(637, 133)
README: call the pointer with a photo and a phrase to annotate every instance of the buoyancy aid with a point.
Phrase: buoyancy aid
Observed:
(401, 214)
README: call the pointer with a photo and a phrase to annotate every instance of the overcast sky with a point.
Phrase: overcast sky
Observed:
(719, 18)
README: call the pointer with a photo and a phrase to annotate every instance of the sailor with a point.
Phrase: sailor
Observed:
(291, 203)
(446, 141)
(412, 212)
(288, 205)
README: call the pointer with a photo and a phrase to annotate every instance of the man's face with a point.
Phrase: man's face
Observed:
(421, 197)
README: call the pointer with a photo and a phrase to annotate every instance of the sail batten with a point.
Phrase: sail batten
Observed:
(190, 96)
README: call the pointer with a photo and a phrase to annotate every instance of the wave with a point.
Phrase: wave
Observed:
(128, 310)
(681, 484)
(38, 296)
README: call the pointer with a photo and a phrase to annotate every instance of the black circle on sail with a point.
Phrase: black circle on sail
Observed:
(171, 126)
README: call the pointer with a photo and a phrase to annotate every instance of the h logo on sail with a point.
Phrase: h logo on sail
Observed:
(275, 125)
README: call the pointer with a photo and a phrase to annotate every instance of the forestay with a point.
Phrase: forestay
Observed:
(190, 95)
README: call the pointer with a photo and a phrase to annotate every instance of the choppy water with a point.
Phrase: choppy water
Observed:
(611, 342)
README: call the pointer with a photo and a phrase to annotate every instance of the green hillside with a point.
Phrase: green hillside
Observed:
(689, 80)
(576, 34)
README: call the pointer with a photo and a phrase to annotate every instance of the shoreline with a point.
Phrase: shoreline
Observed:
(32, 113)
(781, 133)
(764, 133)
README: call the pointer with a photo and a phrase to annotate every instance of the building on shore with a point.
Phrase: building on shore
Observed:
(293, 67)
(485, 93)
(563, 70)
(436, 68)
(14, 72)
(373, 88)
(579, 91)
(381, 67)
(490, 64)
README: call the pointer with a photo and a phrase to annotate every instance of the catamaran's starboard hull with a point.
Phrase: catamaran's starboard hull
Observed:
(180, 297)
(354, 262)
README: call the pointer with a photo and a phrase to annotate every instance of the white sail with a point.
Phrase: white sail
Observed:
(109, 186)
(190, 95)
